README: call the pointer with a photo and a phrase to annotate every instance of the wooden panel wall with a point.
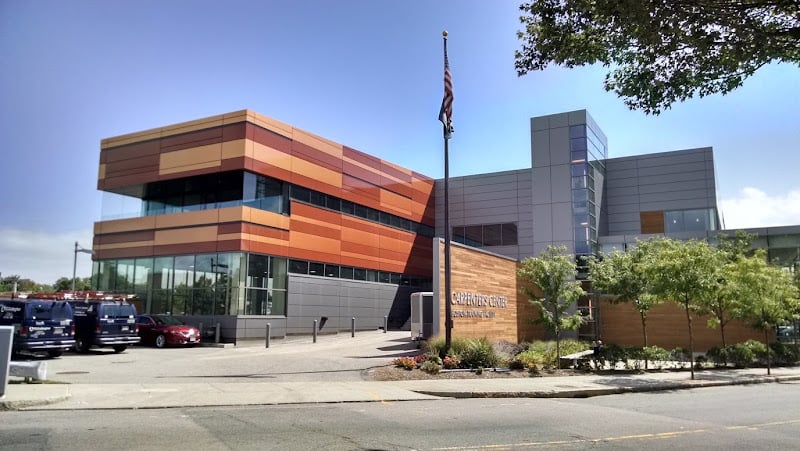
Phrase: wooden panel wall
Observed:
(652, 221)
(666, 327)
(486, 275)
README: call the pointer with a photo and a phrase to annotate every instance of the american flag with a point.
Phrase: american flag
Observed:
(446, 111)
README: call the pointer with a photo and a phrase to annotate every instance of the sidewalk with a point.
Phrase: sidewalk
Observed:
(297, 371)
(152, 396)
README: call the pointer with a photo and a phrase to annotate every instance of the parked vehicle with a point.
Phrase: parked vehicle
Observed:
(40, 326)
(104, 323)
(163, 330)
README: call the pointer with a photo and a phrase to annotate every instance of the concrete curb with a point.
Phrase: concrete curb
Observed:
(21, 404)
(590, 392)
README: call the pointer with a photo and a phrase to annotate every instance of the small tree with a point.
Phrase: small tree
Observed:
(683, 272)
(553, 273)
(723, 298)
(623, 275)
(771, 295)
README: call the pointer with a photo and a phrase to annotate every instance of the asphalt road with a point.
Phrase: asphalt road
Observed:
(763, 416)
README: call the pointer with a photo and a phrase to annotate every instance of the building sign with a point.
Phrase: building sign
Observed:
(470, 301)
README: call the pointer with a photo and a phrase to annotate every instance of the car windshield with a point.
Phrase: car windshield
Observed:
(168, 320)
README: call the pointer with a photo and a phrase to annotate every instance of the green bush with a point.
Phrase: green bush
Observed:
(656, 354)
(431, 367)
(479, 353)
(613, 354)
(542, 354)
(435, 359)
(718, 355)
(435, 345)
(785, 353)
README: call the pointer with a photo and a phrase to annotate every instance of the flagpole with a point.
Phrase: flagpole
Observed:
(448, 325)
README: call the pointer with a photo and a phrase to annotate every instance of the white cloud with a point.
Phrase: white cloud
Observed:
(755, 208)
(43, 256)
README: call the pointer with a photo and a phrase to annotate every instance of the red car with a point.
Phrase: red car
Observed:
(163, 330)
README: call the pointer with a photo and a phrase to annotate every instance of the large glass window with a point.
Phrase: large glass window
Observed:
(265, 193)
(184, 281)
(698, 220)
(486, 235)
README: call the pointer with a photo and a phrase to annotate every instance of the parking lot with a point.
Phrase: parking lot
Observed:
(294, 359)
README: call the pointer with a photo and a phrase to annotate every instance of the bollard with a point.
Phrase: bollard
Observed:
(385, 323)
(216, 333)
(353, 327)
(202, 334)
(268, 326)
(315, 331)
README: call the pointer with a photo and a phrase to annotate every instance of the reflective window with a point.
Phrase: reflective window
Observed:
(331, 270)
(673, 221)
(492, 235)
(509, 234)
(577, 131)
(359, 274)
(316, 269)
(695, 220)
(579, 169)
(346, 272)
(486, 235)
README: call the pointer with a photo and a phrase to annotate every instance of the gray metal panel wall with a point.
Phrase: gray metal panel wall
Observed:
(493, 198)
(552, 179)
(312, 297)
(678, 180)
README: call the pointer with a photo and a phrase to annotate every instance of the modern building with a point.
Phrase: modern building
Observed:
(243, 220)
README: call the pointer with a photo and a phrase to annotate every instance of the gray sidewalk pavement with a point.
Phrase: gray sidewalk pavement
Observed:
(222, 392)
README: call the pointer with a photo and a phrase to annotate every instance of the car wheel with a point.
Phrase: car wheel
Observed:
(55, 353)
(161, 341)
(118, 349)
(81, 345)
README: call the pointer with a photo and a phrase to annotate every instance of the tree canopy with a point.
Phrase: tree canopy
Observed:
(661, 51)
(553, 272)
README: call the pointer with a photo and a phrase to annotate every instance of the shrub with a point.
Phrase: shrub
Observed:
(405, 362)
(478, 353)
(613, 354)
(420, 359)
(451, 362)
(435, 359)
(431, 367)
(634, 357)
(718, 355)
(680, 355)
(785, 353)
(530, 358)
(543, 353)
(435, 345)
(655, 354)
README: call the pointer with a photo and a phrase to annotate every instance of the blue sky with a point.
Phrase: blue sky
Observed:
(367, 74)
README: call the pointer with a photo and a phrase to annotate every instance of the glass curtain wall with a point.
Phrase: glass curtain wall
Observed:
(233, 283)
(587, 161)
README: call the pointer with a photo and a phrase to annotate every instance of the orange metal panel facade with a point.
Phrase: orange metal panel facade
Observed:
(245, 140)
